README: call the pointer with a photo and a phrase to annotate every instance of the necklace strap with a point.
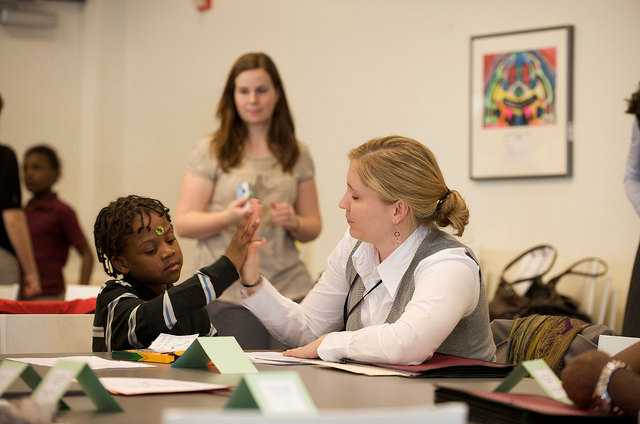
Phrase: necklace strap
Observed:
(346, 314)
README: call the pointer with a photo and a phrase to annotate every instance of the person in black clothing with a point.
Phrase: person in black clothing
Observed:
(17, 263)
(631, 323)
(134, 238)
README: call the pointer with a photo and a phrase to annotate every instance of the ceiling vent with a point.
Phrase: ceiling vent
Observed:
(26, 14)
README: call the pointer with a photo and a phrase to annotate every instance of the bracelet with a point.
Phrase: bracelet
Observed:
(254, 284)
(600, 398)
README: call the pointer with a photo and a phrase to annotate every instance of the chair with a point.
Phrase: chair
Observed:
(9, 291)
(444, 413)
(45, 333)
(77, 291)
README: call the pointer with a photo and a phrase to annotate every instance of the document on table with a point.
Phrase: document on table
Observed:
(94, 362)
(141, 386)
(362, 369)
(170, 343)
(277, 358)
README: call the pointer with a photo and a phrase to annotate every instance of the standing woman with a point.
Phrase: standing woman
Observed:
(396, 288)
(255, 144)
(631, 324)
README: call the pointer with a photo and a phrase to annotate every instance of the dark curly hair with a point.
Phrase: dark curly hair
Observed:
(115, 221)
(633, 103)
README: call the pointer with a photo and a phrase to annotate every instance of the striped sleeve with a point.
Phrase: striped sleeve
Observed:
(124, 321)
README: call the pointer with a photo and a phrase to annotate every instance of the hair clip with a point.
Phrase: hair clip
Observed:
(159, 230)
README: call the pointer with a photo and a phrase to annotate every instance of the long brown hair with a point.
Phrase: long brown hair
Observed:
(227, 143)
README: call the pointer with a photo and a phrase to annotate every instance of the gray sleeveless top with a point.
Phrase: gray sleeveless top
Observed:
(471, 338)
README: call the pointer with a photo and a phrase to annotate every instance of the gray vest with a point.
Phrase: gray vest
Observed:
(471, 338)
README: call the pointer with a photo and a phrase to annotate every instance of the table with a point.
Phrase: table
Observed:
(329, 389)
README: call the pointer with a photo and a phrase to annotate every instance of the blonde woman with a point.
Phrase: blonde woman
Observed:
(396, 288)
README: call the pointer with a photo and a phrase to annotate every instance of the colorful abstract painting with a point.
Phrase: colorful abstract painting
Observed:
(520, 88)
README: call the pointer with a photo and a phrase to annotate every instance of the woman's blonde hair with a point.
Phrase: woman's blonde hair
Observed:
(400, 168)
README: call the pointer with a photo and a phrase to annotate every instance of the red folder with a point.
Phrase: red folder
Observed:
(450, 366)
(491, 407)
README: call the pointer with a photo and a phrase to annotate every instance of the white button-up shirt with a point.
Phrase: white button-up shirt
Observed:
(447, 288)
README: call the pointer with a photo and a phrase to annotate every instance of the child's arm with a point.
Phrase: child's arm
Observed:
(124, 321)
(87, 264)
(127, 322)
(71, 229)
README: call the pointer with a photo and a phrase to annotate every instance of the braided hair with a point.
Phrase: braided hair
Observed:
(115, 221)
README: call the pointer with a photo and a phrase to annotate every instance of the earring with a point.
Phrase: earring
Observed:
(397, 234)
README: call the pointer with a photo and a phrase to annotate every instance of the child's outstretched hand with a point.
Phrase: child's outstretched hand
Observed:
(244, 235)
(250, 273)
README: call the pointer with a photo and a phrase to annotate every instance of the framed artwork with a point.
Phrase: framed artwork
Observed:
(521, 109)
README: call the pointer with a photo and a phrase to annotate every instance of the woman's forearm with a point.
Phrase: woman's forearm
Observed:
(87, 264)
(18, 232)
(201, 225)
(309, 228)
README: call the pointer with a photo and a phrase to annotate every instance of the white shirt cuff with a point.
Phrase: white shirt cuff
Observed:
(335, 346)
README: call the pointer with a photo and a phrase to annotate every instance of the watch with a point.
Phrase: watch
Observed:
(601, 400)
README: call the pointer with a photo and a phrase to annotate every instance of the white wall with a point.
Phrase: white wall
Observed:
(123, 89)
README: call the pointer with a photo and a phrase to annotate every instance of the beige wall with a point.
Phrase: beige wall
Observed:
(124, 88)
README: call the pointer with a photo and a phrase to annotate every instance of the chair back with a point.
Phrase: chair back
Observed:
(9, 291)
(45, 333)
(77, 291)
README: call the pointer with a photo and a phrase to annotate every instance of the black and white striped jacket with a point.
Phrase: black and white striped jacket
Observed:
(129, 315)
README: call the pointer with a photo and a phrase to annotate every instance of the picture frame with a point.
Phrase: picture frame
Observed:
(521, 104)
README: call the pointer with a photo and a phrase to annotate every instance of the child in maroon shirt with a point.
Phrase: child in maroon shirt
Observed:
(52, 223)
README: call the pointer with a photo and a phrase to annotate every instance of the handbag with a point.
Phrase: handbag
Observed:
(541, 298)
(523, 272)
(546, 300)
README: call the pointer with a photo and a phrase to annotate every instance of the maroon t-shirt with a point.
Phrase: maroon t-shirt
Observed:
(54, 228)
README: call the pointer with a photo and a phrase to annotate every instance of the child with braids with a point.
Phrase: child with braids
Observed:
(134, 238)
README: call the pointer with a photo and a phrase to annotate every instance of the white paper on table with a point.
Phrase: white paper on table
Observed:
(611, 345)
(277, 358)
(363, 369)
(94, 362)
(141, 386)
(170, 343)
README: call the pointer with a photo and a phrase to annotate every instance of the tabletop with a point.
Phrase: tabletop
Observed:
(330, 389)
